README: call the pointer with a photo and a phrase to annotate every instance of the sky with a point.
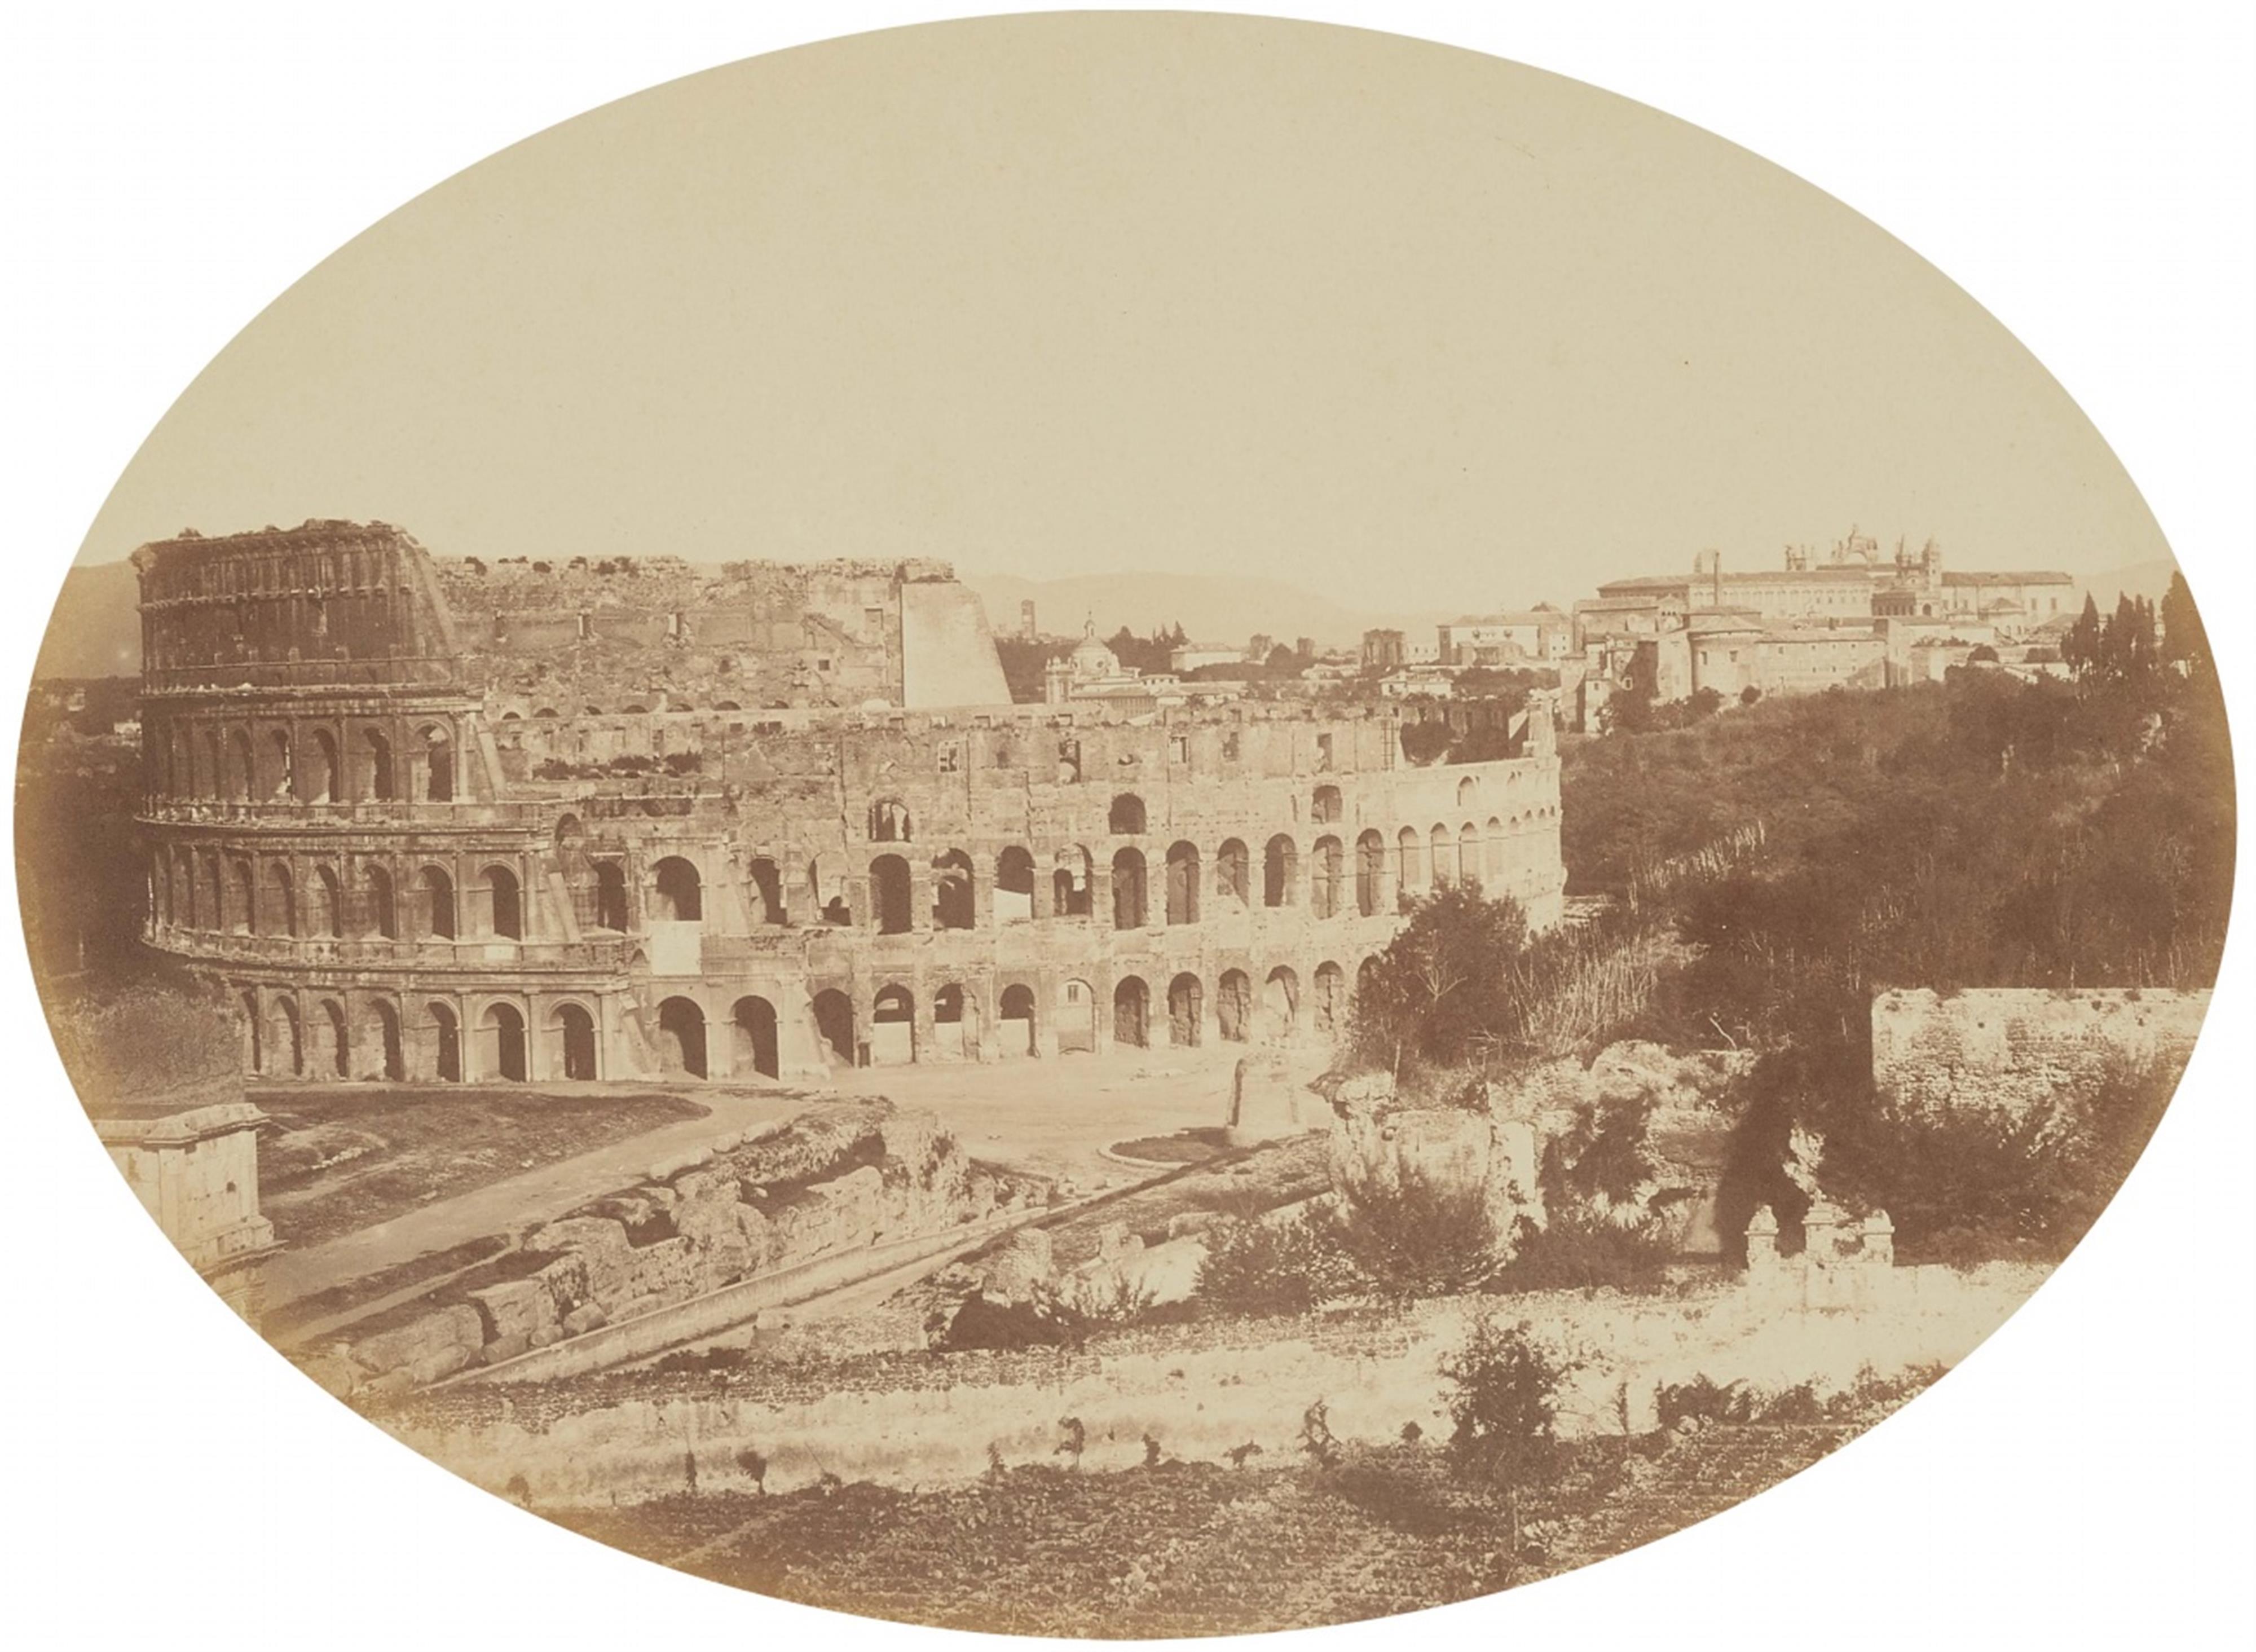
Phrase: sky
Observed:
(1406, 326)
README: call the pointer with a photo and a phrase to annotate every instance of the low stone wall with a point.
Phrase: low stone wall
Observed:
(2014, 1048)
(835, 1181)
(1200, 1389)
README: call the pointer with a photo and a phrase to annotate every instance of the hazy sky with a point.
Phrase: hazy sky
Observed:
(1051, 295)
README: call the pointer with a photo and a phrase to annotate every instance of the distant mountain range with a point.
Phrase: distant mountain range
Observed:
(96, 629)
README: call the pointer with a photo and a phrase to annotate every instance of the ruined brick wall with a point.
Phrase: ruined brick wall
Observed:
(2013, 1048)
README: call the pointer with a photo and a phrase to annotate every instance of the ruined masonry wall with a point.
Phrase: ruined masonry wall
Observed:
(2014, 1047)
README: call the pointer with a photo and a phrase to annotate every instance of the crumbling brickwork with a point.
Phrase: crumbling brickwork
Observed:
(439, 821)
(2014, 1047)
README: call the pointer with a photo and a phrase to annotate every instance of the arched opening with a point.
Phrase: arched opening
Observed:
(1076, 1016)
(576, 1033)
(321, 779)
(682, 1038)
(503, 904)
(1186, 1012)
(1183, 883)
(1410, 878)
(285, 1051)
(383, 909)
(1280, 863)
(610, 896)
(889, 894)
(1444, 868)
(1366, 977)
(435, 901)
(1015, 1022)
(1496, 853)
(754, 1022)
(679, 892)
(211, 780)
(241, 897)
(1369, 873)
(332, 1046)
(1131, 1011)
(893, 1027)
(767, 888)
(1071, 894)
(280, 779)
(1125, 818)
(1326, 873)
(328, 904)
(1233, 873)
(391, 1045)
(160, 890)
(1233, 1007)
(240, 769)
(833, 1023)
(445, 1037)
(438, 766)
(1468, 853)
(889, 821)
(954, 1023)
(251, 1030)
(215, 897)
(1128, 889)
(376, 766)
(1280, 1001)
(1014, 885)
(1467, 789)
(280, 916)
(954, 898)
(1331, 999)
(501, 1044)
(1325, 808)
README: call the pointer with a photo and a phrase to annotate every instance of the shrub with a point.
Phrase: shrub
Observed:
(1503, 1404)
(1253, 1267)
(1424, 1237)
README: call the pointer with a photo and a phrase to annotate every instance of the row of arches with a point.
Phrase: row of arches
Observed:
(327, 766)
(317, 1038)
(227, 893)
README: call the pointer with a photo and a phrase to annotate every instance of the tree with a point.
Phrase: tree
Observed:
(2081, 647)
(2183, 638)
(1503, 1407)
(1442, 985)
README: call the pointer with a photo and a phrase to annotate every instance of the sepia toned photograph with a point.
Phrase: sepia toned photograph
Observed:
(1125, 826)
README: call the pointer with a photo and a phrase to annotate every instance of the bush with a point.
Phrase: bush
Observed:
(1253, 1267)
(1503, 1402)
(1425, 1237)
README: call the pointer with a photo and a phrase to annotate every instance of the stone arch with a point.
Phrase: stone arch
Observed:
(1326, 873)
(1015, 1020)
(1014, 884)
(1325, 807)
(435, 902)
(328, 904)
(1128, 902)
(1366, 977)
(437, 758)
(1131, 1011)
(1410, 851)
(1073, 885)
(575, 1036)
(767, 888)
(241, 768)
(834, 1024)
(955, 1021)
(1330, 1000)
(376, 779)
(1280, 866)
(323, 780)
(1125, 818)
(501, 1042)
(1369, 873)
(285, 1050)
(382, 904)
(1233, 879)
(390, 1042)
(331, 1053)
(211, 781)
(954, 897)
(1076, 1016)
(1444, 847)
(890, 895)
(213, 903)
(682, 1038)
(889, 821)
(279, 894)
(502, 903)
(1495, 852)
(893, 1026)
(1186, 1011)
(1280, 1001)
(1183, 883)
(279, 777)
(752, 1021)
(241, 896)
(612, 896)
(446, 1041)
(250, 1025)
(1468, 853)
(679, 892)
(1467, 789)
(1233, 1007)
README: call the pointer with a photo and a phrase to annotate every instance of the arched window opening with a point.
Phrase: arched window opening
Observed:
(1326, 808)
(328, 904)
(1279, 868)
(322, 780)
(682, 1038)
(285, 1051)
(503, 904)
(893, 1027)
(610, 896)
(1331, 1000)
(679, 892)
(1280, 1001)
(1132, 1006)
(576, 1032)
(1444, 865)
(1126, 818)
(754, 1021)
(1014, 885)
(1369, 873)
(1233, 873)
(438, 766)
(1496, 855)
(955, 1022)
(390, 1044)
(834, 1024)
(444, 1035)
(501, 1044)
(1071, 892)
(241, 772)
(383, 912)
(889, 821)
(281, 915)
(1467, 789)
(1326, 873)
(1183, 883)
(375, 759)
(1186, 1012)
(889, 894)
(953, 898)
(251, 1027)
(332, 1052)
(1015, 1016)
(1233, 1007)
(1469, 854)
(1128, 889)
(767, 887)
(1076, 1016)
(281, 777)
(436, 893)
(1410, 878)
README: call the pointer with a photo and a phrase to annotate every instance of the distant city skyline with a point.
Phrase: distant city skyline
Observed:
(1410, 328)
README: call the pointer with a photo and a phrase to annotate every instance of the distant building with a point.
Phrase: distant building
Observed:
(1027, 630)
(1305, 648)
(1383, 650)
(1536, 636)
(1193, 656)
(1257, 649)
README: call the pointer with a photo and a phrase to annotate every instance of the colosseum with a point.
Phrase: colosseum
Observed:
(430, 819)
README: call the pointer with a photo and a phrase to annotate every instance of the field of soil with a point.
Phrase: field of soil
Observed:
(1187, 1549)
(336, 1159)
